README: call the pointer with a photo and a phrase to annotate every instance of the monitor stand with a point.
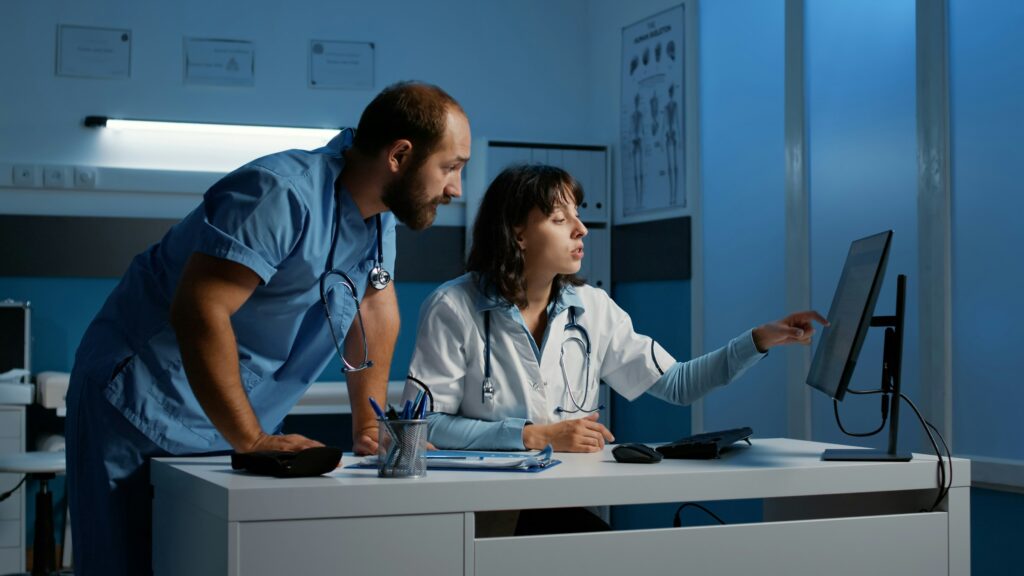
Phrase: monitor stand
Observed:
(892, 363)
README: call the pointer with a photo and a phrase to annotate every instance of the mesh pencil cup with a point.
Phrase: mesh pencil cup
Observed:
(401, 449)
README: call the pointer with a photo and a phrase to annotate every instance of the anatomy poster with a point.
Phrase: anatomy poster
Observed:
(652, 119)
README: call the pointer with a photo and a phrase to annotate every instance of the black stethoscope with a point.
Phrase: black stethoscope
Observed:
(379, 278)
(581, 338)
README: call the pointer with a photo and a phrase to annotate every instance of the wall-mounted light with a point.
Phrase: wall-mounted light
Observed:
(324, 134)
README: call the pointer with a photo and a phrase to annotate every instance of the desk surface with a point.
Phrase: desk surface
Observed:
(770, 468)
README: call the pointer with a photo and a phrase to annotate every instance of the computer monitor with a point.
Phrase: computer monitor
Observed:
(850, 315)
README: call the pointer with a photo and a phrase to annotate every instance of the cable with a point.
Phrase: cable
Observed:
(8, 494)
(949, 459)
(945, 484)
(943, 487)
(677, 522)
(885, 413)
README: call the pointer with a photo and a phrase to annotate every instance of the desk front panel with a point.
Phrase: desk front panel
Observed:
(424, 545)
(907, 545)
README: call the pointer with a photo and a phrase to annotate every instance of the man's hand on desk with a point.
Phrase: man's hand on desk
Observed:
(365, 441)
(582, 435)
(281, 443)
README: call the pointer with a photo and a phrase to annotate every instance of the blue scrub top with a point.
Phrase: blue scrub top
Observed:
(276, 216)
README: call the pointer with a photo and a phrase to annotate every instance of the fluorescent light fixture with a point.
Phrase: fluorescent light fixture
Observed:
(210, 128)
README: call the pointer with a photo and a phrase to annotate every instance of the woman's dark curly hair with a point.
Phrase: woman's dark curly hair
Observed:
(495, 255)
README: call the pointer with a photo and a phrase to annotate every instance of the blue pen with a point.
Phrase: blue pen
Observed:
(407, 410)
(376, 408)
(421, 408)
(416, 403)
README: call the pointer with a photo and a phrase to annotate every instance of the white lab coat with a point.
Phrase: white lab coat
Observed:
(450, 351)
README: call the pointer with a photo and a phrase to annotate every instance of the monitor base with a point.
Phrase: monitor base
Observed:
(864, 455)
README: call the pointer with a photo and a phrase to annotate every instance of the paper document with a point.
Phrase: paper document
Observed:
(480, 460)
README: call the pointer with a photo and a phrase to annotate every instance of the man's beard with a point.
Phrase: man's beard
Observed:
(407, 199)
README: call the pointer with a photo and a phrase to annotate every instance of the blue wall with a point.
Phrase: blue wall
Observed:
(996, 533)
(986, 75)
(862, 148)
(63, 307)
(743, 167)
(648, 419)
(987, 118)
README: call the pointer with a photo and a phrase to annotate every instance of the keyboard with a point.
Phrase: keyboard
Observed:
(706, 445)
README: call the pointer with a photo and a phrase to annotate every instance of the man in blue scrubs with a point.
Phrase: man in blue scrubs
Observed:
(215, 332)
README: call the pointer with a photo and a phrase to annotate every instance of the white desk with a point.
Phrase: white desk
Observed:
(837, 518)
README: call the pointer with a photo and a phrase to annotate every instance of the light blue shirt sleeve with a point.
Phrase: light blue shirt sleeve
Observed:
(685, 382)
(254, 218)
(450, 432)
(388, 227)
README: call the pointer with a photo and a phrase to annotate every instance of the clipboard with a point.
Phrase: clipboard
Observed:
(480, 461)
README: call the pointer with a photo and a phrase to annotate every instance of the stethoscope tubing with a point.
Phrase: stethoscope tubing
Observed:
(487, 386)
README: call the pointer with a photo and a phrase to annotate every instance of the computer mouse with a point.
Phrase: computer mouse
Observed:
(308, 462)
(636, 453)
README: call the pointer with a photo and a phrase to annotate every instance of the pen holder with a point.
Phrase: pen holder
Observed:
(401, 449)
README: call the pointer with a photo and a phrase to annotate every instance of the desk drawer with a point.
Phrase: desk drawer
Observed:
(422, 545)
(12, 422)
(10, 533)
(905, 544)
(10, 509)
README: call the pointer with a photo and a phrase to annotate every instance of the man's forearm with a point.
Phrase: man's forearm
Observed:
(380, 318)
(209, 353)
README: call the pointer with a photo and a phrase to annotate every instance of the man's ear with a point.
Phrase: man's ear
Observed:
(399, 154)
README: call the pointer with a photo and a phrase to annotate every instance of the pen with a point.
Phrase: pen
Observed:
(407, 410)
(392, 415)
(416, 405)
(376, 408)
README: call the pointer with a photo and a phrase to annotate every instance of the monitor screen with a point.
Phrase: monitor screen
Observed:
(850, 315)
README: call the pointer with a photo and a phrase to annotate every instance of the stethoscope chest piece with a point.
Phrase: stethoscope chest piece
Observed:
(379, 277)
(488, 391)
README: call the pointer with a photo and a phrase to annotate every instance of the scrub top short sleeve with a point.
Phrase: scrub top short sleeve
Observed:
(252, 217)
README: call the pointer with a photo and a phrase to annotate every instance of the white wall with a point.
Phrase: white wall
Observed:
(519, 69)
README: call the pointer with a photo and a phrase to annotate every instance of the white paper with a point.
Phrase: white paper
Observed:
(94, 52)
(340, 64)
(220, 62)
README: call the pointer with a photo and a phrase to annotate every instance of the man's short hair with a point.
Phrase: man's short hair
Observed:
(413, 111)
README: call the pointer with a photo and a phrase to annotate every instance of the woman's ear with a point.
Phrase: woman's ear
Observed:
(520, 241)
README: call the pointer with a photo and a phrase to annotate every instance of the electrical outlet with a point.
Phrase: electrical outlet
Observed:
(85, 177)
(53, 177)
(24, 175)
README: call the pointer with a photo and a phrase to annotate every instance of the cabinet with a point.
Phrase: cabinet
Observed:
(588, 164)
(15, 347)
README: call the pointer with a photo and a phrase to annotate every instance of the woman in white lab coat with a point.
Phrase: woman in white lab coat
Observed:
(513, 351)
